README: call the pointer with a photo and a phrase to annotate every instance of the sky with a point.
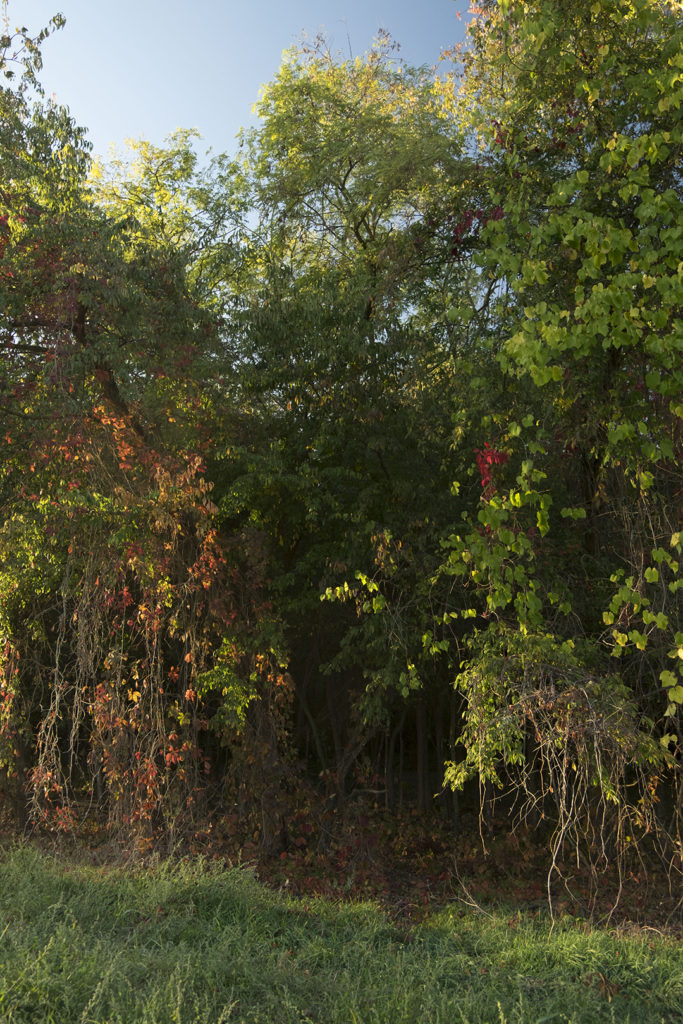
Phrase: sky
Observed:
(143, 68)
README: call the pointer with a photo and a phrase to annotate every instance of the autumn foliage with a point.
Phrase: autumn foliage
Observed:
(347, 474)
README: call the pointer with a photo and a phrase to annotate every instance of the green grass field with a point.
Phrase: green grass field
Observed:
(191, 944)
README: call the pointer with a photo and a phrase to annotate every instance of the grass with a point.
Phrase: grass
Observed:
(192, 944)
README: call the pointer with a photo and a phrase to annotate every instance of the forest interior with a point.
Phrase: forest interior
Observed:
(340, 485)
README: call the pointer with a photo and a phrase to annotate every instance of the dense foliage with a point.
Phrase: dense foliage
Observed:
(351, 463)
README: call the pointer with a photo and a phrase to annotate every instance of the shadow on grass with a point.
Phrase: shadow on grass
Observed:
(196, 943)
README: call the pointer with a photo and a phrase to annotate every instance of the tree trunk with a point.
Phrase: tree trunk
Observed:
(423, 794)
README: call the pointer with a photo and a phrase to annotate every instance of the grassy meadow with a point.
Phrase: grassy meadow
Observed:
(194, 944)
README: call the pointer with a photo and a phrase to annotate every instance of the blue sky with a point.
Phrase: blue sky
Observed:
(142, 68)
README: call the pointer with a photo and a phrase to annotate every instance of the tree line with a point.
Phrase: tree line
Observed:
(351, 462)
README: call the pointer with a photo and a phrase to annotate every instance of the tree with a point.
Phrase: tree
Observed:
(574, 109)
(128, 625)
(345, 374)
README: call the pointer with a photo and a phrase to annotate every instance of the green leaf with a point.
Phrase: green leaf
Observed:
(573, 513)
(638, 639)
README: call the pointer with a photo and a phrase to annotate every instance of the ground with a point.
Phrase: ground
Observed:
(413, 863)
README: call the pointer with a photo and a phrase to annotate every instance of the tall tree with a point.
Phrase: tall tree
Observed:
(116, 588)
(574, 553)
(359, 179)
